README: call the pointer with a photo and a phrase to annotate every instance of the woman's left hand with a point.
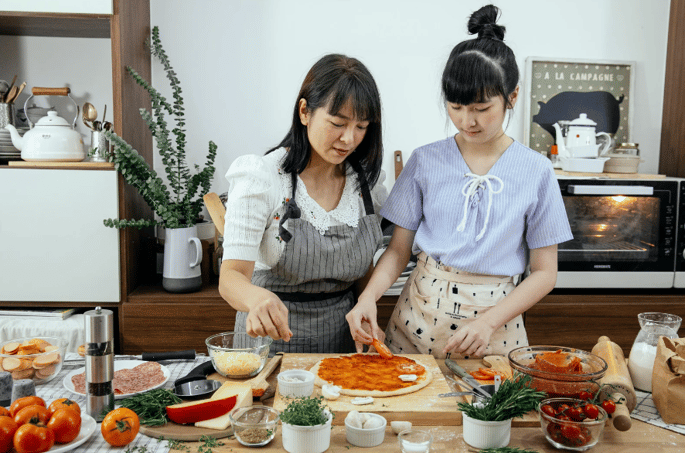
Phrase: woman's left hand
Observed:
(470, 340)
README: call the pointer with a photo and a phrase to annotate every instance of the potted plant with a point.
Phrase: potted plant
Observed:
(306, 426)
(177, 205)
(487, 424)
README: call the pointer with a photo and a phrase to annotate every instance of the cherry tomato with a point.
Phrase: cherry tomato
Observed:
(563, 408)
(576, 414)
(554, 431)
(382, 349)
(120, 427)
(410, 368)
(591, 410)
(571, 431)
(31, 438)
(7, 429)
(66, 424)
(64, 403)
(549, 410)
(32, 414)
(480, 376)
(609, 406)
(585, 395)
(25, 401)
(4, 411)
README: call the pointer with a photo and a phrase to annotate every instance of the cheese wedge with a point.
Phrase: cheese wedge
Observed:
(244, 399)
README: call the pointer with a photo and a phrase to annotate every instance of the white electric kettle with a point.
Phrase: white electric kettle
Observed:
(581, 138)
(52, 138)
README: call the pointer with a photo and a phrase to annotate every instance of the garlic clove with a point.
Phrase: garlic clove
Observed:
(408, 377)
(353, 419)
(399, 426)
(373, 422)
(361, 401)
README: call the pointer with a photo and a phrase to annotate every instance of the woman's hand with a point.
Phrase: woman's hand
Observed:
(269, 318)
(363, 323)
(470, 340)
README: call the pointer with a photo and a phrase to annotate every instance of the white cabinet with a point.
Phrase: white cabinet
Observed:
(60, 6)
(53, 244)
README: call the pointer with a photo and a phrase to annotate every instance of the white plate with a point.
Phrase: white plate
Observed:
(88, 425)
(118, 365)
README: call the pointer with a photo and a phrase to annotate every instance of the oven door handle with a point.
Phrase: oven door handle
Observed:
(610, 190)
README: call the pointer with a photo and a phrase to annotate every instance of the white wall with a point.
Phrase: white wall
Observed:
(241, 62)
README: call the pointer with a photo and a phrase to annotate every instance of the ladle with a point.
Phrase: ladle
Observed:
(89, 114)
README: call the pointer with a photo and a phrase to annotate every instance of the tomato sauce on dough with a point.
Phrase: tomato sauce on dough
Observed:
(369, 372)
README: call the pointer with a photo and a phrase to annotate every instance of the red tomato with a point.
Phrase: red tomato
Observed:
(66, 403)
(585, 395)
(382, 349)
(66, 424)
(591, 410)
(30, 438)
(7, 429)
(609, 406)
(20, 403)
(571, 431)
(33, 414)
(563, 408)
(549, 410)
(480, 376)
(576, 413)
(4, 411)
(120, 427)
(410, 368)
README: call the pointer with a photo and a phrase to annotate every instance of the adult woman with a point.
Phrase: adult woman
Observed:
(301, 222)
(477, 206)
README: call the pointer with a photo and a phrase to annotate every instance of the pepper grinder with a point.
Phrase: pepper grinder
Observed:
(99, 362)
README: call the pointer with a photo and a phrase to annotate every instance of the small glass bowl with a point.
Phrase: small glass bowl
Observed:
(569, 434)
(415, 441)
(36, 358)
(238, 355)
(559, 384)
(254, 426)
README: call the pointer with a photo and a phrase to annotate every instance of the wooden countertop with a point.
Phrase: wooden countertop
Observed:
(641, 438)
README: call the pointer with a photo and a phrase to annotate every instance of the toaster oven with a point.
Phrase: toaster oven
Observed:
(625, 233)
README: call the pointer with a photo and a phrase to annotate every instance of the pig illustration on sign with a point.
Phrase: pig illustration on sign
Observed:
(600, 106)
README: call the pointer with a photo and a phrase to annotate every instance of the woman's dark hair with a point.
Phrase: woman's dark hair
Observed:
(331, 82)
(483, 67)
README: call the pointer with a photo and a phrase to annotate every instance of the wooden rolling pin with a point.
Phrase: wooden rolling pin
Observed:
(618, 376)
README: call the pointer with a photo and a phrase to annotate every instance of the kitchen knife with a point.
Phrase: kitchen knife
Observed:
(466, 377)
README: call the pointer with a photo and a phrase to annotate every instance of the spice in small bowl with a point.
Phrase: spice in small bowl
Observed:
(254, 426)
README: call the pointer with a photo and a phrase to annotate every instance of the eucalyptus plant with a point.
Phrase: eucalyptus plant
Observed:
(179, 204)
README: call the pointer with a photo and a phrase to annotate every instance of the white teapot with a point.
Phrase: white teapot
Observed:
(581, 138)
(52, 138)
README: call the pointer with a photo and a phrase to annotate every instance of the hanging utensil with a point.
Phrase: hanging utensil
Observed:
(107, 126)
(104, 112)
(11, 95)
(90, 114)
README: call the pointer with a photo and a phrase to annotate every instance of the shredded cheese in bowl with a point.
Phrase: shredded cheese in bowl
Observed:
(236, 363)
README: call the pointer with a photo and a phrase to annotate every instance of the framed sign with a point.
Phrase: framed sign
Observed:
(560, 90)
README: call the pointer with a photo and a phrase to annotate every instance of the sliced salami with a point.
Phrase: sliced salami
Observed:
(128, 380)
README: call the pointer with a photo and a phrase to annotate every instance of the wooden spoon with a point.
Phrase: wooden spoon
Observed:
(11, 95)
(216, 210)
(258, 383)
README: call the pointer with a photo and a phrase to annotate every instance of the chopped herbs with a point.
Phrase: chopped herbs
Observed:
(208, 443)
(151, 406)
(514, 398)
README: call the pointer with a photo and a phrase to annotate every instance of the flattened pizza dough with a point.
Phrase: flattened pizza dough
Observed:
(371, 375)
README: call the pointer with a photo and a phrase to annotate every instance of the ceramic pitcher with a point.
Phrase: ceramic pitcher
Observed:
(182, 258)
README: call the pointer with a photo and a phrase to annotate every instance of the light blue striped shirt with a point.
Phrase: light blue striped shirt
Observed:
(527, 212)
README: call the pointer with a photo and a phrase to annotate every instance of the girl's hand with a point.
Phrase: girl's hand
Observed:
(269, 318)
(470, 340)
(363, 323)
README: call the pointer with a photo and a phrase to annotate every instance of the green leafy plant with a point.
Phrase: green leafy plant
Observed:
(514, 398)
(310, 411)
(179, 204)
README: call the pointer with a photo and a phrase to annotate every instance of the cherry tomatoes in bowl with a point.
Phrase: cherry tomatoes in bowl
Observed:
(33, 438)
(66, 424)
(382, 349)
(120, 427)
(591, 410)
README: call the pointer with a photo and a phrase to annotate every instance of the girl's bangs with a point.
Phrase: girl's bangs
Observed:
(472, 79)
(364, 101)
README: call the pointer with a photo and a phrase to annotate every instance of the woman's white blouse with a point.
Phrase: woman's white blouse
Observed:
(258, 191)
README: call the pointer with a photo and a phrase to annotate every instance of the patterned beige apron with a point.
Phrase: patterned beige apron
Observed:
(438, 299)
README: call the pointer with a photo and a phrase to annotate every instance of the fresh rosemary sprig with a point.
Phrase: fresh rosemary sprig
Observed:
(305, 412)
(151, 406)
(514, 398)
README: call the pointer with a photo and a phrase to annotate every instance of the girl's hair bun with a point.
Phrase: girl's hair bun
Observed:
(484, 23)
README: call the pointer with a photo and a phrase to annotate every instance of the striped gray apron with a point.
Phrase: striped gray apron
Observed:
(315, 278)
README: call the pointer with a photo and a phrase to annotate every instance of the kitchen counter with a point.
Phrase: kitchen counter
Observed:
(642, 437)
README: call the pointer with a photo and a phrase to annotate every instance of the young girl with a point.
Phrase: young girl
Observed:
(475, 208)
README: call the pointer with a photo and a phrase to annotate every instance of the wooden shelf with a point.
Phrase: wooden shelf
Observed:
(55, 25)
(63, 165)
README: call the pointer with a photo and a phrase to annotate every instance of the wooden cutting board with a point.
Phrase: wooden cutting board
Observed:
(423, 407)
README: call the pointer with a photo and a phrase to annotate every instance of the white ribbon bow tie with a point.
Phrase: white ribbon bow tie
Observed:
(470, 190)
